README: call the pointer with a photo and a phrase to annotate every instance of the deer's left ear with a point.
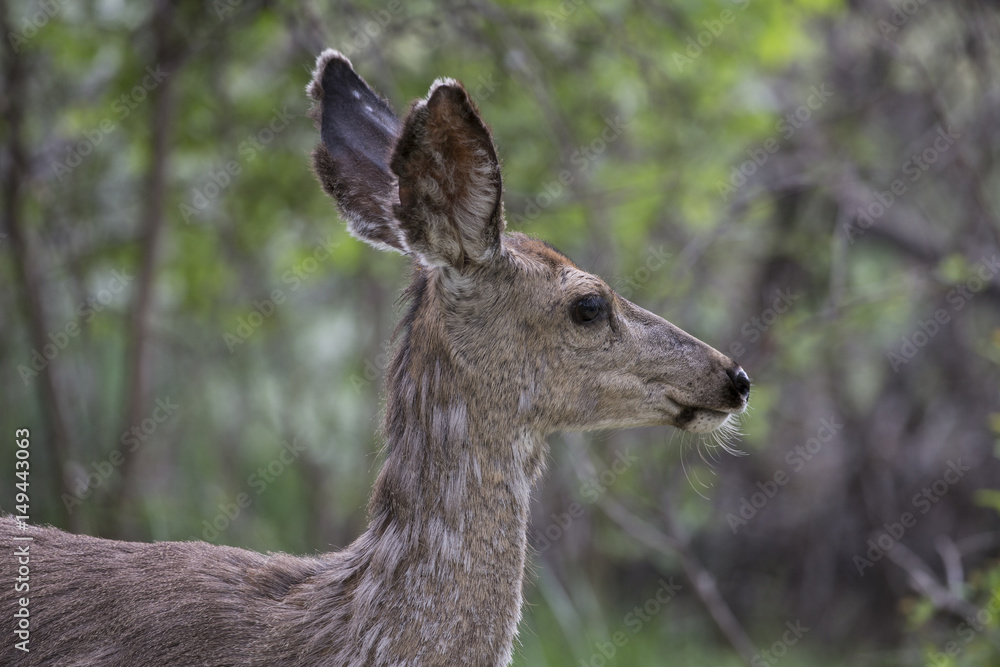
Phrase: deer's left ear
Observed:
(450, 188)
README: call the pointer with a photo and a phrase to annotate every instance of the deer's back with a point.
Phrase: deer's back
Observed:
(165, 603)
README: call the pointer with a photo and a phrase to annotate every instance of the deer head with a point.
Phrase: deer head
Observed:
(505, 341)
(522, 331)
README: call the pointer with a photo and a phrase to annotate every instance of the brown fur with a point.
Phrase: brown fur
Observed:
(491, 358)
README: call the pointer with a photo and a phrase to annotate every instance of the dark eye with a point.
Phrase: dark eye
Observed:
(588, 309)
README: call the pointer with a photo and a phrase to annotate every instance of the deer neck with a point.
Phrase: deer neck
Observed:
(449, 513)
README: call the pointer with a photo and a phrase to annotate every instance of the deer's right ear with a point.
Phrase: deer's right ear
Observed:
(358, 130)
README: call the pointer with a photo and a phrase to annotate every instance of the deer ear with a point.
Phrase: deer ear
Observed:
(358, 130)
(449, 180)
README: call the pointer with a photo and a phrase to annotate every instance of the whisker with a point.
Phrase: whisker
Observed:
(724, 436)
(690, 472)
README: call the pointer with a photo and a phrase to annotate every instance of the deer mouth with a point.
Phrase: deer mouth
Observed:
(701, 420)
(722, 415)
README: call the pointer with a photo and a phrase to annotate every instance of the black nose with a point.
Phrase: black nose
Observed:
(740, 381)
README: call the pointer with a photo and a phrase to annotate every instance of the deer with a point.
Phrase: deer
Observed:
(504, 341)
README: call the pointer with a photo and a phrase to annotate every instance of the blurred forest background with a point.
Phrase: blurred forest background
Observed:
(810, 186)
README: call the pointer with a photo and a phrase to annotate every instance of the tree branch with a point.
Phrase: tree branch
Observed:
(922, 580)
(704, 583)
(137, 362)
(18, 166)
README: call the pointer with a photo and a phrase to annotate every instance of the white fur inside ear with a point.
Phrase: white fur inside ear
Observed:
(321, 62)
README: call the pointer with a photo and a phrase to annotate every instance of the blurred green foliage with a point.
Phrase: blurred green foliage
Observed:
(628, 131)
